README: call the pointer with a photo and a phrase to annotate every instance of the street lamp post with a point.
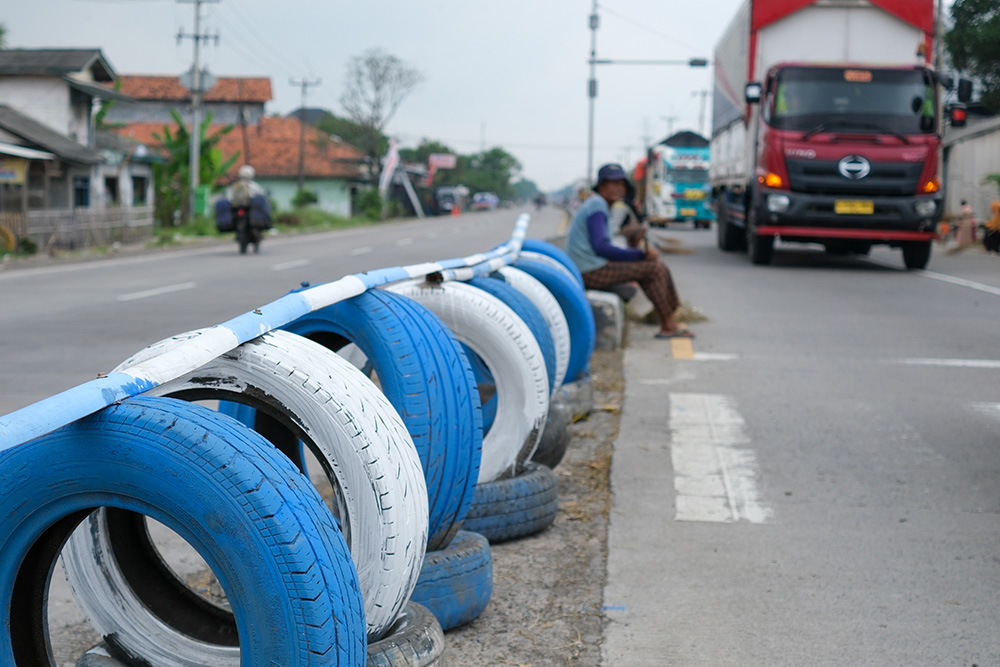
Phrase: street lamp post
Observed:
(592, 83)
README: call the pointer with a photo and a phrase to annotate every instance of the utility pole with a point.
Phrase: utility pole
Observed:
(304, 84)
(592, 91)
(701, 110)
(196, 91)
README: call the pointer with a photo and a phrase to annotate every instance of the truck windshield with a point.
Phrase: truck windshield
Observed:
(688, 175)
(872, 101)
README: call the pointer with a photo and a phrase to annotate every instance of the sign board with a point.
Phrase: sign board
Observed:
(13, 170)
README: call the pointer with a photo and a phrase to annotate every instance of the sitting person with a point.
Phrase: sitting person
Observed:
(604, 264)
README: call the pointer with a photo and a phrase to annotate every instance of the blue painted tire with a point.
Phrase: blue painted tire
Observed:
(456, 583)
(425, 374)
(218, 485)
(509, 509)
(576, 308)
(555, 252)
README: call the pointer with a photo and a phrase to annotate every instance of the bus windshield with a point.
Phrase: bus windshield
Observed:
(893, 101)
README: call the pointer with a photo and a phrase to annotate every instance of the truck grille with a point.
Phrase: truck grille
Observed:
(821, 177)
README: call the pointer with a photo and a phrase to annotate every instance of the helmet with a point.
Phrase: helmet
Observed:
(246, 172)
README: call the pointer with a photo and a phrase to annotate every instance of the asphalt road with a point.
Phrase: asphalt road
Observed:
(816, 480)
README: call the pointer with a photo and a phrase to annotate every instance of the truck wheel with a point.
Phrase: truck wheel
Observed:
(916, 254)
(727, 234)
(760, 248)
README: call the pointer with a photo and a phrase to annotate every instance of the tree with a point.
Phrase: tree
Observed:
(525, 190)
(349, 131)
(172, 178)
(974, 45)
(3, 36)
(377, 83)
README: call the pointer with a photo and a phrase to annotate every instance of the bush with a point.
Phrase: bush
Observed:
(369, 204)
(304, 198)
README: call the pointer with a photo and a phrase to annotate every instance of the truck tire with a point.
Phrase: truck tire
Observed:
(416, 639)
(509, 509)
(760, 248)
(222, 488)
(916, 254)
(380, 497)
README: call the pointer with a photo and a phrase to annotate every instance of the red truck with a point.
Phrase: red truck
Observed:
(826, 127)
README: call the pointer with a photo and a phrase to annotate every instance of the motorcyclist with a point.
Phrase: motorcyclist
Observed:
(241, 194)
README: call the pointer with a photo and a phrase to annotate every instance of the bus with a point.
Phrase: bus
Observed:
(677, 186)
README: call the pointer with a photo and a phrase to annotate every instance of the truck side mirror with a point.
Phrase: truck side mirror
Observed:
(964, 90)
(957, 114)
(947, 81)
(752, 92)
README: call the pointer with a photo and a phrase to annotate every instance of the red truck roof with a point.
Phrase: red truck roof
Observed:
(919, 13)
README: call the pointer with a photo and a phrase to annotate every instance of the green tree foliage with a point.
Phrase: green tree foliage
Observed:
(488, 171)
(350, 131)
(974, 45)
(525, 190)
(3, 36)
(172, 179)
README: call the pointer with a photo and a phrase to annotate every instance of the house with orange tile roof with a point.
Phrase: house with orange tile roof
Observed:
(333, 169)
(231, 101)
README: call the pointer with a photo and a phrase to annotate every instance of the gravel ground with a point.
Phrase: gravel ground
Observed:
(545, 610)
(548, 588)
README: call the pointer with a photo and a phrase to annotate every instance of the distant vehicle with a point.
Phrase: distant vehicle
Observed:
(826, 128)
(485, 201)
(450, 197)
(677, 185)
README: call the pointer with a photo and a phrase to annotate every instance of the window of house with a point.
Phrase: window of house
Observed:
(139, 185)
(111, 189)
(81, 191)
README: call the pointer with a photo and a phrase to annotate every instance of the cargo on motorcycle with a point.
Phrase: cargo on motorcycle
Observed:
(245, 210)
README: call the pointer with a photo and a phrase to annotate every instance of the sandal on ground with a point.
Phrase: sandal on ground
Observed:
(680, 333)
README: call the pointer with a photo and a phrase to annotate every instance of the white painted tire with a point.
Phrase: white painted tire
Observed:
(506, 345)
(540, 295)
(380, 497)
(550, 261)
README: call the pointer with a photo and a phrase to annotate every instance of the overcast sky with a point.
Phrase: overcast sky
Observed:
(509, 73)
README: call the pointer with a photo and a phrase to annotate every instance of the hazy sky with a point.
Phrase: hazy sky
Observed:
(510, 74)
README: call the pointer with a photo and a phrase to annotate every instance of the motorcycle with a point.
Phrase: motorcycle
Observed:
(249, 222)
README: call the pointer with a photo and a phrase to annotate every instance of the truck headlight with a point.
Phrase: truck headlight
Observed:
(925, 207)
(778, 203)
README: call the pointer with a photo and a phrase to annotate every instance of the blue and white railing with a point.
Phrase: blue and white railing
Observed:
(52, 413)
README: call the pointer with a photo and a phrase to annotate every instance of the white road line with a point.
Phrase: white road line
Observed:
(953, 363)
(407, 241)
(166, 289)
(715, 475)
(363, 250)
(715, 356)
(294, 264)
(961, 282)
(988, 409)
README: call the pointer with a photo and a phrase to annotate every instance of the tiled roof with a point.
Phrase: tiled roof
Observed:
(56, 62)
(274, 149)
(46, 138)
(169, 88)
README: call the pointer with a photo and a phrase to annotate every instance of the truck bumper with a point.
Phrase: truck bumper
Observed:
(810, 217)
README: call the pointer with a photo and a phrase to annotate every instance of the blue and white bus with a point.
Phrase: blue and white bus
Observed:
(677, 186)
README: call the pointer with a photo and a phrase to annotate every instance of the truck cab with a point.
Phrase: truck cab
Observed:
(846, 157)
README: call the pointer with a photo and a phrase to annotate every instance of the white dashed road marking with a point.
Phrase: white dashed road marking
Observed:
(294, 264)
(953, 363)
(715, 474)
(363, 250)
(166, 289)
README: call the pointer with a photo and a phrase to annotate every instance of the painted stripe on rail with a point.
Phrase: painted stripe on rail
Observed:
(157, 291)
(56, 411)
(715, 474)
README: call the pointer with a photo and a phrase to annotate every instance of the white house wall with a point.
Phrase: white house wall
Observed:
(45, 100)
(969, 162)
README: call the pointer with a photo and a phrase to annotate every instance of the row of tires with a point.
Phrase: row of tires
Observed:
(430, 414)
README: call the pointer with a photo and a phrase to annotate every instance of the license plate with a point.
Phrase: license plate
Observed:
(694, 194)
(854, 207)
(689, 212)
